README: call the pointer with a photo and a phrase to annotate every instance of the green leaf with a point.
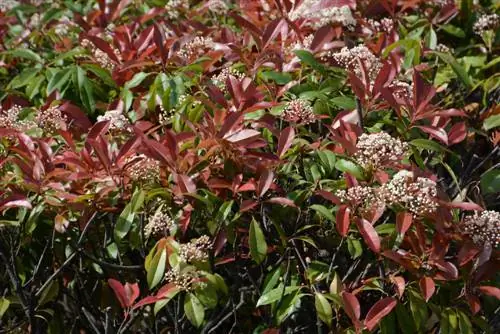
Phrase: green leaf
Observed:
(457, 68)
(449, 322)
(427, 144)
(157, 268)
(207, 296)
(323, 211)
(136, 80)
(137, 200)
(194, 310)
(405, 322)
(124, 223)
(350, 167)
(271, 280)
(81, 81)
(276, 294)
(388, 324)
(34, 86)
(279, 77)
(419, 310)
(258, 245)
(23, 53)
(344, 102)
(464, 322)
(491, 122)
(59, 80)
(4, 305)
(490, 182)
(354, 247)
(453, 30)
(24, 78)
(168, 297)
(308, 58)
(5, 222)
(328, 159)
(323, 308)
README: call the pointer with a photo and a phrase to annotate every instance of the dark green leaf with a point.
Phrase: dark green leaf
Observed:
(194, 310)
(258, 245)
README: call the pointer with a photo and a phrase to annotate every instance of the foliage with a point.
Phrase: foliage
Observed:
(249, 166)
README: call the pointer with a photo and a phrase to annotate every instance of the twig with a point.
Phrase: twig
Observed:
(235, 308)
(359, 110)
(47, 282)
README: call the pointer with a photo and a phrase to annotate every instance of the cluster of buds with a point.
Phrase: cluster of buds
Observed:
(484, 228)
(101, 57)
(443, 48)
(118, 121)
(10, 119)
(34, 21)
(218, 6)
(51, 120)
(362, 198)
(384, 25)
(402, 90)
(196, 250)
(485, 23)
(159, 223)
(195, 46)
(6, 5)
(418, 196)
(143, 169)
(320, 17)
(299, 111)
(186, 280)
(379, 149)
(174, 8)
(304, 45)
(349, 59)
(442, 3)
(220, 79)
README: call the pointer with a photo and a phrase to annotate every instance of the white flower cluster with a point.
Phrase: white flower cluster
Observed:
(143, 169)
(195, 250)
(442, 3)
(118, 121)
(339, 15)
(299, 111)
(384, 25)
(220, 79)
(174, 8)
(6, 5)
(34, 21)
(195, 46)
(379, 149)
(348, 59)
(361, 197)
(10, 119)
(443, 48)
(305, 45)
(51, 120)
(159, 223)
(101, 57)
(402, 90)
(486, 22)
(218, 6)
(186, 280)
(417, 196)
(484, 228)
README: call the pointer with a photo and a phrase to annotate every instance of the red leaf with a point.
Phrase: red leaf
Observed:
(98, 129)
(329, 196)
(400, 283)
(378, 311)
(15, 201)
(285, 140)
(467, 253)
(272, 30)
(265, 181)
(242, 135)
(145, 301)
(115, 13)
(490, 291)
(132, 292)
(248, 204)
(474, 303)
(469, 206)
(403, 222)
(282, 200)
(119, 291)
(369, 234)
(438, 133)
(343, 220)
(351, 306)
(427, 287)
(231, 121)
(457, 133)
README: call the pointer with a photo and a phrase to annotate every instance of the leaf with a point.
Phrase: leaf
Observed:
(400, 284)
(308, 58)
(491, 122)
(403, 222)
(4, 306)
(323, 211)
(323, 308)
(457, 133)
(369, 234)
(194, 310)
(119, 291)
(282, 200)
(84, 89)
(427, 144)
(336, 285)
(351, 306)
(350, 167)
(265, 181)
(490, 291)
(343, 220)
(23, 53)
(490, 182)
(378, 311)
(60, 224)
(257, 242)
(285, 140)
(59, 80)
(124, 223)
(457, 68)
(427, 287)
(157, 268)
(276, 294)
